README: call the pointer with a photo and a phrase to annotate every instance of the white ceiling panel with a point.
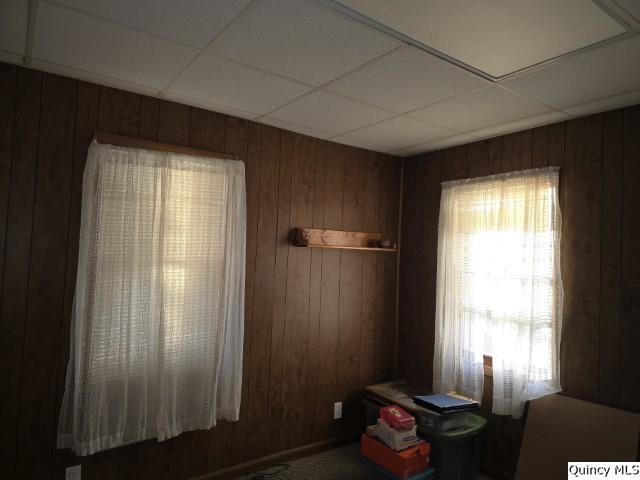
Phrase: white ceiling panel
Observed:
(200, 103)
(300, 40)
(606, 71)
(93, 77)
(478, 109)
(274, 122)
(218, 80)
(604, 104)
(400, 132)
(494, 37)
(353, 142)
(13, 25)
(71, 39)
(630, 6)
(436, 145)
(521, 124)
(191, 22)
(329, 113)
(406, 79)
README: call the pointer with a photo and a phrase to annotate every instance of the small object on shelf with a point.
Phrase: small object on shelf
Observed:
(318, 238)
(385, 243)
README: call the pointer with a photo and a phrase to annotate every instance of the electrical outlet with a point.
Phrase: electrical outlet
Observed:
(73, 473)
(337, 410)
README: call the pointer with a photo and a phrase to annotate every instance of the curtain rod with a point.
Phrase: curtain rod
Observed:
(131, 142)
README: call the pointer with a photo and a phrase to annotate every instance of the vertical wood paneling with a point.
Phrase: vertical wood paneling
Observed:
(297, 300)
(242, 143)
(350, 304)
(119, 112)
(258, 393)
(318, 325)
(478, 161)
(173, 123)
(412, 225)
(392, 173)
(8, 88)
(516, 151)
(46, 278)
(20, 176)
(149, 118)
(495, 155)
(314, 356)
(598, 158)
(86, 119)
(630, 290)
(540, 147)
(330, 293)
(611, 257)
(581, 256)
(372, 201)
(276, 418)
(208, 130)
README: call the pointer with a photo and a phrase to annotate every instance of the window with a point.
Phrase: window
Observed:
(499, 291)
(156, 345)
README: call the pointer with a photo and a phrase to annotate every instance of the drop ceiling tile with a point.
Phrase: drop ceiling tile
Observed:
(400, 132)
(67, 38)
(331, 113)
(406, 79)
(353, 142)
(452, 141)
(604, 104)
(218, 80)
(197, 102)
(481, 108)
(632, 7)
(274, 122)
(13, 26)
(495, 37)
(93, 77)
(191, 22)
(521, 124)
(608, 70)
(300, 40)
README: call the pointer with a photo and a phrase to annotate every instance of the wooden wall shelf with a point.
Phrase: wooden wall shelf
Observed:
(318, 238)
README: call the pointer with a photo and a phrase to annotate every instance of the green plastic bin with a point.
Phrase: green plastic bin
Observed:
(456, 454)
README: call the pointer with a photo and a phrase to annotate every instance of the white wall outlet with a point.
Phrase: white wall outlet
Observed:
(73, 473)
(337, 410)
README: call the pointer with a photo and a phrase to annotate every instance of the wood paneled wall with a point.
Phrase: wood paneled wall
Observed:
(599, 158)
(319, 323)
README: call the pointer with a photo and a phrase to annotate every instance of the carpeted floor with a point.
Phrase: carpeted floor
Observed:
(337, 464)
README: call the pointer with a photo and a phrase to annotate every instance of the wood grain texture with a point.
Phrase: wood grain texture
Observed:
(630, 324)
(24, 105)
(47, 271)
(581, 256)
(299, 330)
(598, 158)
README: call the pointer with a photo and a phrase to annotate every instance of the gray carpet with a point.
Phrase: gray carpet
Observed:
(340, 463)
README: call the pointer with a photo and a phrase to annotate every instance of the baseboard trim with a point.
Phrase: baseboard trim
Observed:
(263, 462)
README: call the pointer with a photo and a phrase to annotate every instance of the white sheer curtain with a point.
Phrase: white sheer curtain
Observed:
(157, 327)
(499, 289)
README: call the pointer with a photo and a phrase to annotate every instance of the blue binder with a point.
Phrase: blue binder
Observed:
(443, 403)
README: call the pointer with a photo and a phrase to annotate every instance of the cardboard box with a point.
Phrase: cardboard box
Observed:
(404, 464)
(396, 439)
